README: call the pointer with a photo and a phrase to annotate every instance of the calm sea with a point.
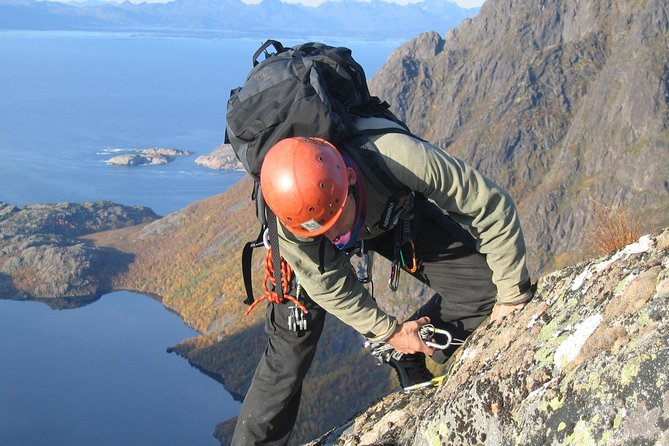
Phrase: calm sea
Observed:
(68, 101)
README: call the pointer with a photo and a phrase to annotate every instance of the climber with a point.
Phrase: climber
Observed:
(462, 239)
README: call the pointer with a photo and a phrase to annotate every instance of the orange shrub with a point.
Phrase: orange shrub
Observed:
(611, 229)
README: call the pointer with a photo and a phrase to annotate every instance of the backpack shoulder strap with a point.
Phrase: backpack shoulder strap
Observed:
(276, 255)
(366, 155)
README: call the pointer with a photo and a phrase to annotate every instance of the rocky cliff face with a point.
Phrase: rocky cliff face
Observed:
(42, 256)
(565, 103)
(584, 363)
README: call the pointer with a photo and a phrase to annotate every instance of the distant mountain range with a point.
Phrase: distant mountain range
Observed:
(345, 18)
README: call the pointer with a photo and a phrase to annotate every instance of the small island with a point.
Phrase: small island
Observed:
(221, 158)
(153, 156)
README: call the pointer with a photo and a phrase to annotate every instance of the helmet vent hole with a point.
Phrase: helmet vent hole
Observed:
(289, 218)
(321, 159)
(323, 185)
(311, 209)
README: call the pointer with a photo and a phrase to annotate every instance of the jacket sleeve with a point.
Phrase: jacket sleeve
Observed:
(337, 290)
(472, 200)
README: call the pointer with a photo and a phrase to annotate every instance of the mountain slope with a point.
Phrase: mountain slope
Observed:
(191, 259)
(565, 103)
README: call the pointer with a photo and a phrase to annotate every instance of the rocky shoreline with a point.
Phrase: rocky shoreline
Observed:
(221, 158)
(154, 155)
(43, 257)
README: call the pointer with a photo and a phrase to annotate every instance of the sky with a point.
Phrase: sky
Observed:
(461, 3)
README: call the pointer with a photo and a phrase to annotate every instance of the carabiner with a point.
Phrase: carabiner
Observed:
(414, 261)
(394, 280)
(427, 333)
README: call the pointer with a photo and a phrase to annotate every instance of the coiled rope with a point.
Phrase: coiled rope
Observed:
(287, 275)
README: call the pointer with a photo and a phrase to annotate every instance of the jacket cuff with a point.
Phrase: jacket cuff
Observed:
(517, 295)
(383, 337)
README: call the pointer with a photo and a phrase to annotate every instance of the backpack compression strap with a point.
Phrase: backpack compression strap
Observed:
(247, 255)
(366, 155)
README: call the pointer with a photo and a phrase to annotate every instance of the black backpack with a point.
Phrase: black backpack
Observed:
(311, 90)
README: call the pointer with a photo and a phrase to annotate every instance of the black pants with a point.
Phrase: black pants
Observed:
(464, 297)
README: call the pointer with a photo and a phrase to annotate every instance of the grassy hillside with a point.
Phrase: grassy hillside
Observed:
(191, 261)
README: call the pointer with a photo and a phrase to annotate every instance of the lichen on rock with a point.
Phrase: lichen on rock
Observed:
(584, 363)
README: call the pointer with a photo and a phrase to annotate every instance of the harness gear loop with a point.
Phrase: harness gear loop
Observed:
(296, 320)
(287, 276)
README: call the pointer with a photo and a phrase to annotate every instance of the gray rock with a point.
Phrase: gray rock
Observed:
(154, 155)
(42, 256)
(221, 158)
(137, 160)
(584, 363)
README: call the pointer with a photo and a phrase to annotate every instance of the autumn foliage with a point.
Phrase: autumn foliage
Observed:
(611, 229)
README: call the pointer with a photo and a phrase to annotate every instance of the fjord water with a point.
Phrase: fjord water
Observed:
(100, 374)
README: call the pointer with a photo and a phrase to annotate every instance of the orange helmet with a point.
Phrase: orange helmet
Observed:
(305, 183)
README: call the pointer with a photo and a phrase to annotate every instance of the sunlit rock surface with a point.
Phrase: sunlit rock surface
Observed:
(584, 363)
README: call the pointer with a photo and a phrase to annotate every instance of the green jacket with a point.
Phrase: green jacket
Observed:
(470, 198)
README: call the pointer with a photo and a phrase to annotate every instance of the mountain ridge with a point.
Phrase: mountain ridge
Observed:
(370, 20)
(562, 103)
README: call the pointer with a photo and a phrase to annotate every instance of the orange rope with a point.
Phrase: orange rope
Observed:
(287, 275)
